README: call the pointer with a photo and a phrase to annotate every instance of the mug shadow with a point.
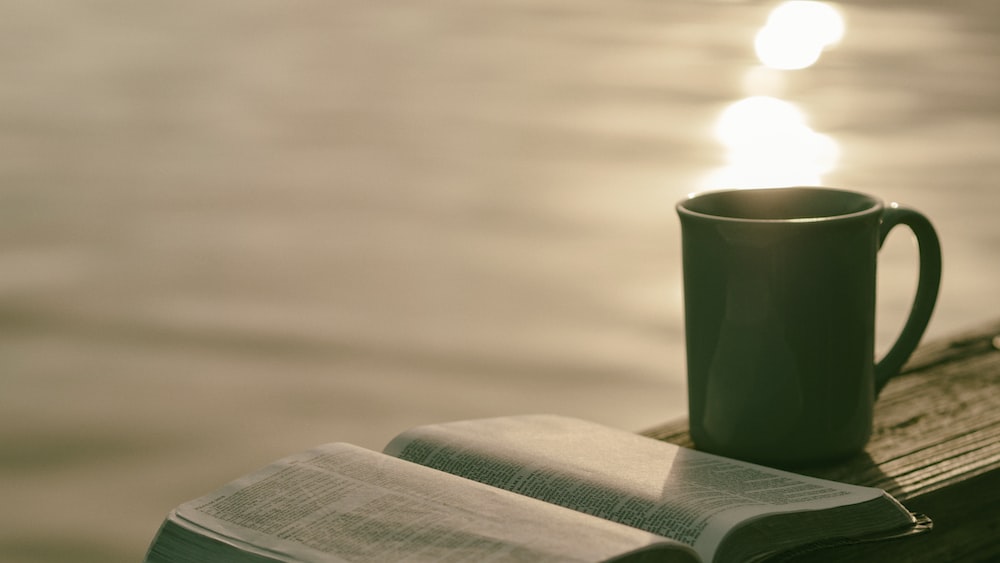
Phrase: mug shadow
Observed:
(859, 469)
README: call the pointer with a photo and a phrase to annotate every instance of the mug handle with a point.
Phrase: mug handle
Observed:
(928, 281)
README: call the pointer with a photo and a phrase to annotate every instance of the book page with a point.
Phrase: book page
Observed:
(690, 496)
(343, 503)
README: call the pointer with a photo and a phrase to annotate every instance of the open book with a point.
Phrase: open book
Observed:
(522, 488)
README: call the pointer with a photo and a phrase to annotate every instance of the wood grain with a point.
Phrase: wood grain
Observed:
(935, 446)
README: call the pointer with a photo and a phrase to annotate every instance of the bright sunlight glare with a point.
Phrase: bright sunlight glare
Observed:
(797, 33)
(769, 143)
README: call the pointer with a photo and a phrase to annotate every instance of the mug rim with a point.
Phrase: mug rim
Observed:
(875, 205)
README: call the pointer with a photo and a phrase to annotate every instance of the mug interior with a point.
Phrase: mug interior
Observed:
(779, 204)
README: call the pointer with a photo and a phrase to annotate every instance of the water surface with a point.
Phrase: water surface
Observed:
(233, 231)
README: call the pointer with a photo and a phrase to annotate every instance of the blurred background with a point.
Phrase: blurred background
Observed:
(238, 229)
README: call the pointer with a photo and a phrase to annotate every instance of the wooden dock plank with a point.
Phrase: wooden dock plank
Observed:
(935, 446)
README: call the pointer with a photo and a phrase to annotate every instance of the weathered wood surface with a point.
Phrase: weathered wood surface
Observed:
(936, 447)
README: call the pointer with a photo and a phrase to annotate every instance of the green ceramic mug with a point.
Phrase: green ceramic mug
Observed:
(779, 296)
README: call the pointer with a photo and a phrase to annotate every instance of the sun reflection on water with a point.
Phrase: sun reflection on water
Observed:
(768, 140)
(797, 33)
